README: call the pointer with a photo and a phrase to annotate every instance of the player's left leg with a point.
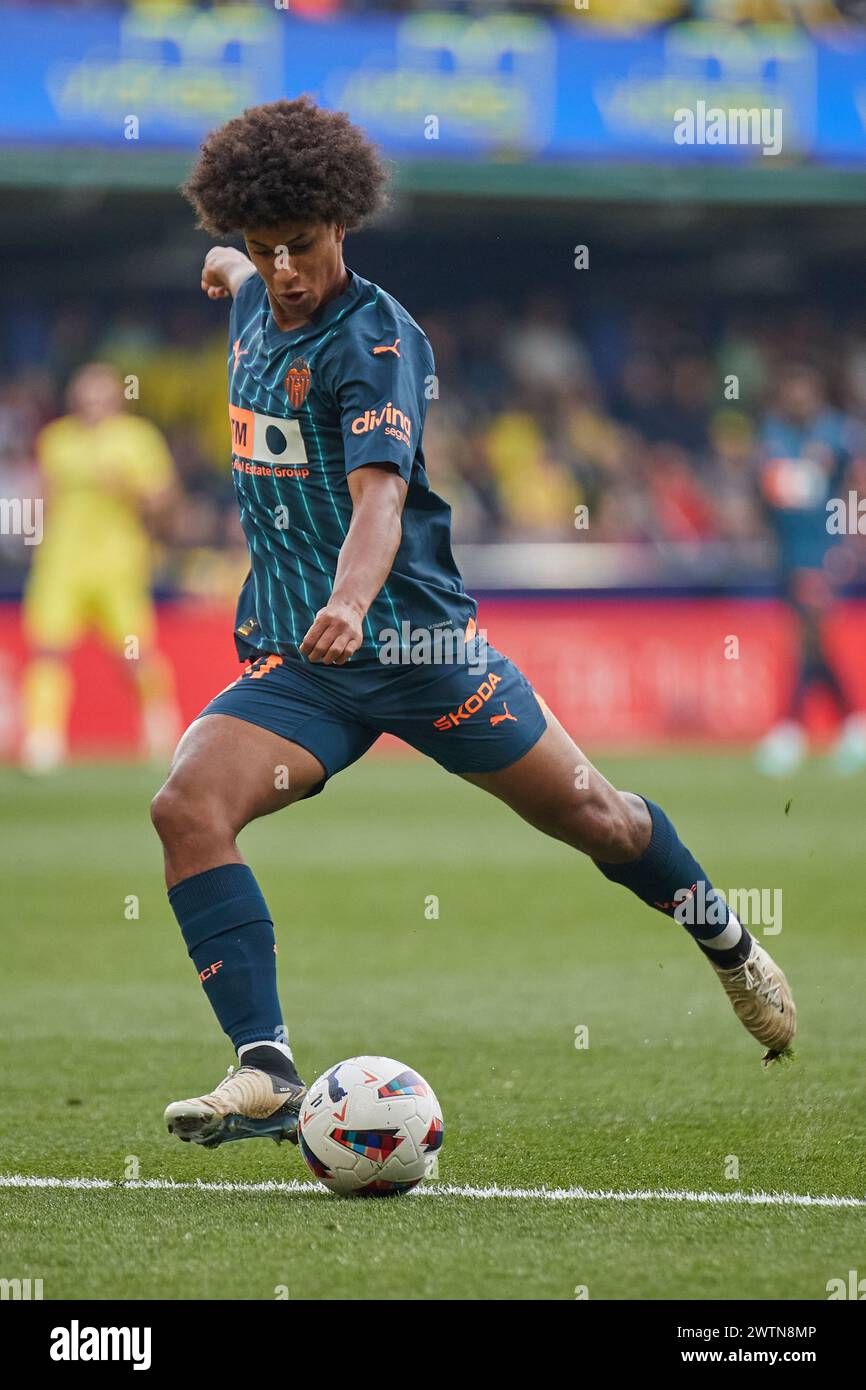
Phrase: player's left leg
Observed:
(55, 618)
(46, 699)
(555, 788)
(477, 715)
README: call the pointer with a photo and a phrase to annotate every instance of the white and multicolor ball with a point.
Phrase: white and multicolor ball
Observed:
(370, 1127)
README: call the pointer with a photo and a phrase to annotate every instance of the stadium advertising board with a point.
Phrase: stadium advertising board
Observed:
(437, 86)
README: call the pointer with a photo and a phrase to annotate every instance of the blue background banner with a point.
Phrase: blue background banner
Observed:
(428, 86)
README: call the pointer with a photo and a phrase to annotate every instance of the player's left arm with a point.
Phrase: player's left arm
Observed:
(364, 563)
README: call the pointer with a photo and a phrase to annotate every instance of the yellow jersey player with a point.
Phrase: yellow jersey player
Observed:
(106, 474)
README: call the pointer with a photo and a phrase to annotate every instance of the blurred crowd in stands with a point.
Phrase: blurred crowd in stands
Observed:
(619, 14)
(639, 417)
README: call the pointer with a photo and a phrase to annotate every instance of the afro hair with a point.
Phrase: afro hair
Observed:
(287, 161)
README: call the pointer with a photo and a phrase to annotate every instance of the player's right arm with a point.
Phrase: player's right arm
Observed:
(224, 271)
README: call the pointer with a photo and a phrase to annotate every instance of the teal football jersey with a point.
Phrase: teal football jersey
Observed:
(350, 387)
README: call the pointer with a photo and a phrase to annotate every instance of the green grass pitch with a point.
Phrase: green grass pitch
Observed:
(104, 1022)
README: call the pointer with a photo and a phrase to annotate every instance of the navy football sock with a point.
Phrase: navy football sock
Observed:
(667, 876)
(270, 1057)
(230, 938)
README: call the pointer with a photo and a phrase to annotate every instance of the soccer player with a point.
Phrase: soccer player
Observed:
(351, 572)
(807, 450)
(106, 474)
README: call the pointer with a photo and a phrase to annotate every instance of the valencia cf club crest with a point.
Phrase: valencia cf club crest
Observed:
(298, 382)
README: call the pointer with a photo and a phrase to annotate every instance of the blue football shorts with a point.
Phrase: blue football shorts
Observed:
(477, 715)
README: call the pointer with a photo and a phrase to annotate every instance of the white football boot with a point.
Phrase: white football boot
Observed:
(762, 1001)
(247, 1104)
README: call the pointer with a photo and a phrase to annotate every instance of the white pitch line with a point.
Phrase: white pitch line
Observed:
(438, 1189)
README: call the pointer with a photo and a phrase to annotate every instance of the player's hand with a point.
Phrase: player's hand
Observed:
(223, 271)
(335, 634)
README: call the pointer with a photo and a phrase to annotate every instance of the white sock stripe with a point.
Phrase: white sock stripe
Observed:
(266, 1042)
(727, 938)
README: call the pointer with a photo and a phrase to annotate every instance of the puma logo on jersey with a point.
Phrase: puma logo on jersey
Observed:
(498, 718)
(476, 700)
(387, 347)
(238, 353)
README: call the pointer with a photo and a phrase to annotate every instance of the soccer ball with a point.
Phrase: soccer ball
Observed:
(370, 1127)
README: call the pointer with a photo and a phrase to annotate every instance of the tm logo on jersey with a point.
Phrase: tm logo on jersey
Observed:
(395, 422)
(479, 698)
(268, 440)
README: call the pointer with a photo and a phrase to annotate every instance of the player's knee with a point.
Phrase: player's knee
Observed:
(622, 830)
(610, 829)
(166, 809)
(180, 816)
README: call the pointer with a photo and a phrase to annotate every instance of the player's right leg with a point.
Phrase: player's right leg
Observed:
(226, 773)
(267, 740)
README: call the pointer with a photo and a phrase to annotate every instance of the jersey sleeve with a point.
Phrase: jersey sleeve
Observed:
(380, 383)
